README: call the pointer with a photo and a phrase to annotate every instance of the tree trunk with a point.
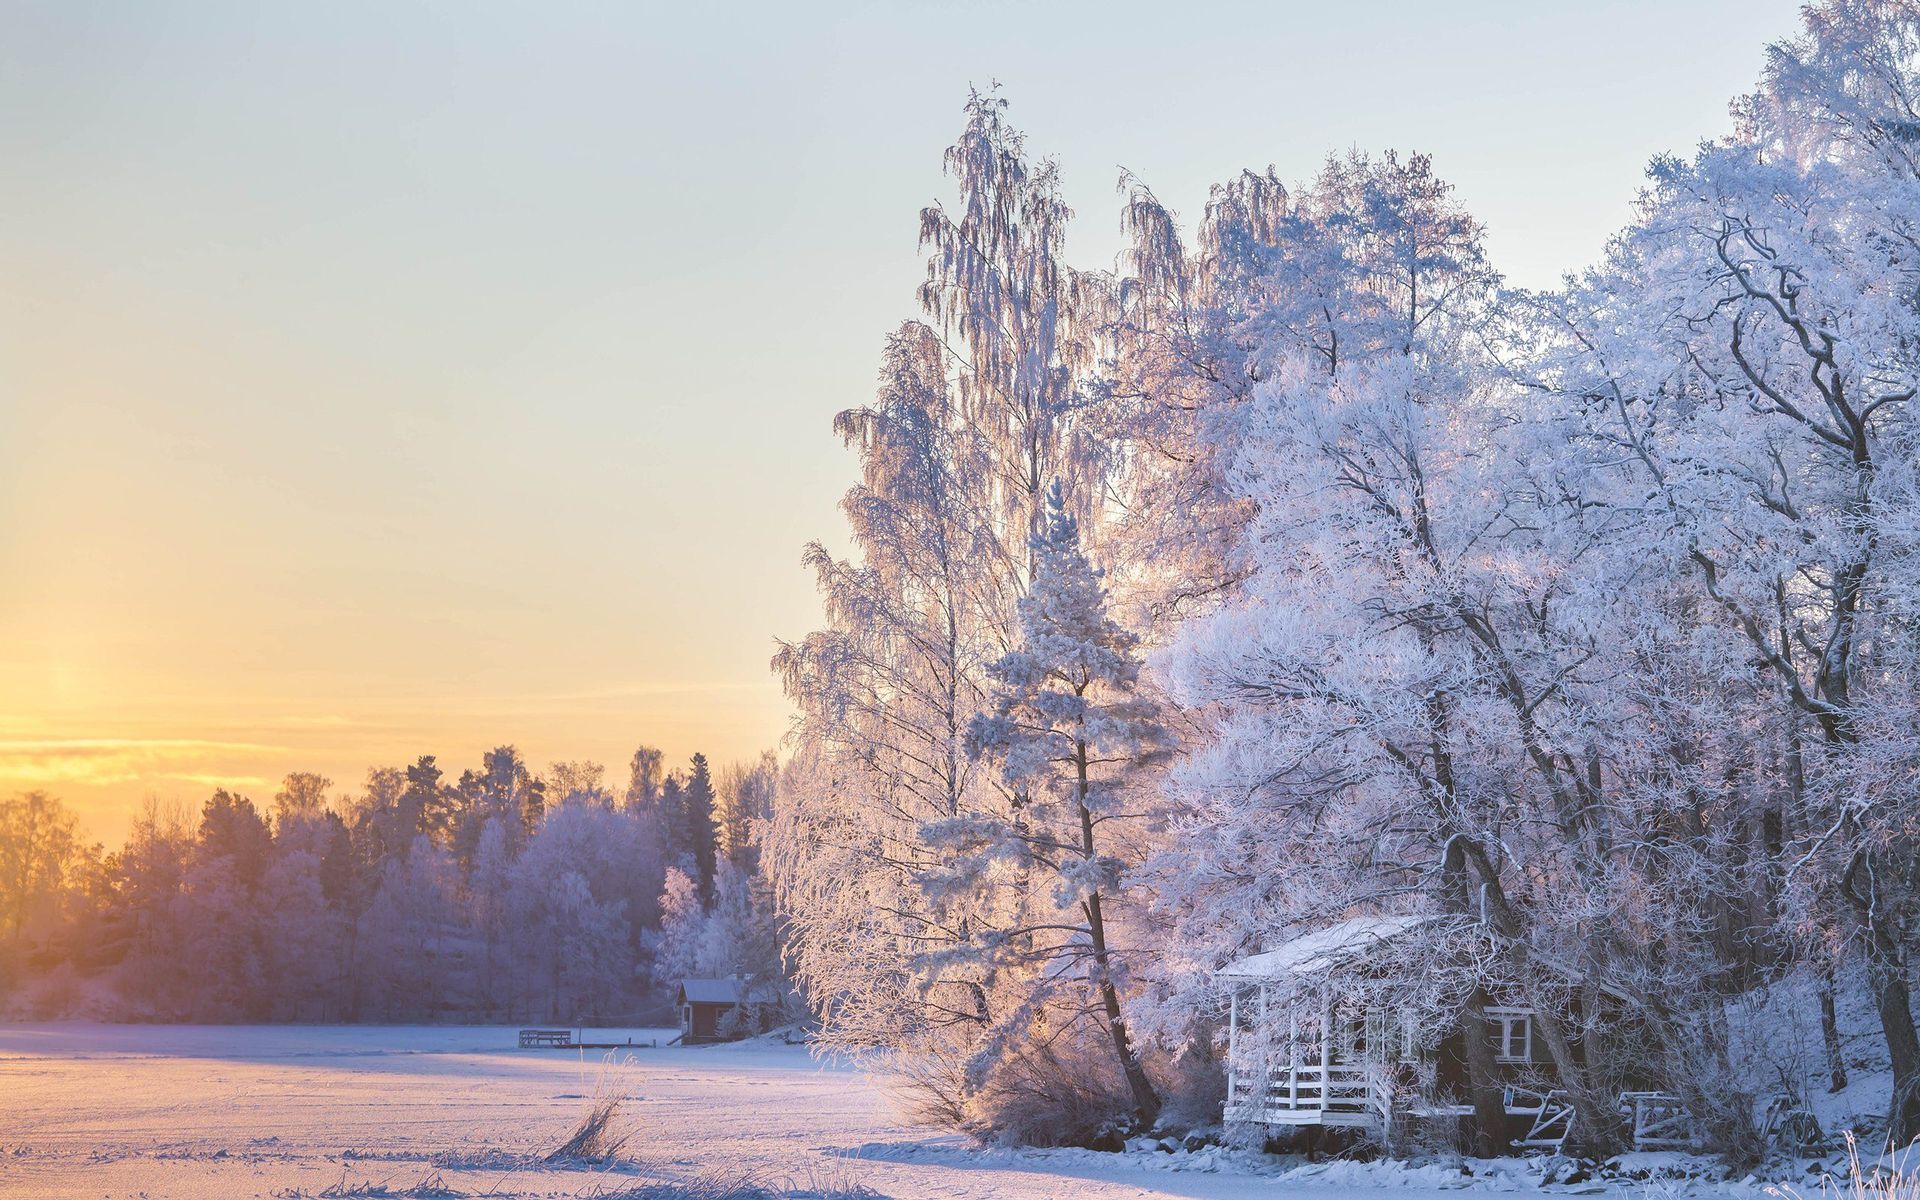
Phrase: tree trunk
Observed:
(1483, 1081)
(1887, 979)
(1596, 1127)
(1146, 1102)
(1890, 996)
(1830, 1034)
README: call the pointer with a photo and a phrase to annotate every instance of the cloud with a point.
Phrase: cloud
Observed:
(227, 781)
(34, 745)
(35, 762)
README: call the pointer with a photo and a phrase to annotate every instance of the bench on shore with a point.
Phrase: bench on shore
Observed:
(545, 1037)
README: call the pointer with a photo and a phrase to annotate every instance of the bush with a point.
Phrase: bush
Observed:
(1058, 1093)
(1888, 1178)
(600, 1135)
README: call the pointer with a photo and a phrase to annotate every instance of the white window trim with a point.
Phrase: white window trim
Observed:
(1506, 1022)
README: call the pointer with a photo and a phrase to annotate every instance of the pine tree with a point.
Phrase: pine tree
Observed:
(1068, 728)
(425, 805)
(698, 831)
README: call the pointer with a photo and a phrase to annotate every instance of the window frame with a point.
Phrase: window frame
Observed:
(1504, 1023)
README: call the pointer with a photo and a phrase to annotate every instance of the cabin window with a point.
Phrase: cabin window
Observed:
(1379, 1033)
(1349, 1039)
(1512, 1032)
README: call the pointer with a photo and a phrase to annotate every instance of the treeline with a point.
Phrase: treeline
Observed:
(500, 895)
(1298, 568)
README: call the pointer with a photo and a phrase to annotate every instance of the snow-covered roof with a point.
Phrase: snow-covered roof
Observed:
(720, 991)
(1323, 948)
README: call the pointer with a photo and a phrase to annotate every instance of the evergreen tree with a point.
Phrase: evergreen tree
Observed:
(1069, 729)
(697, 831)
(425, 805)
(231, 828)
(503, 789)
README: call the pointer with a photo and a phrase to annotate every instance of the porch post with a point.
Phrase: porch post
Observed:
(1293, 1056)
(1233, 1039)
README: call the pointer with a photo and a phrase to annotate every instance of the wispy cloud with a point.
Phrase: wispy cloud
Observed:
(156, 745)
(105, 761)
(251, 781)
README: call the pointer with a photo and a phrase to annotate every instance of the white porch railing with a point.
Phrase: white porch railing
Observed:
(1309, 1095)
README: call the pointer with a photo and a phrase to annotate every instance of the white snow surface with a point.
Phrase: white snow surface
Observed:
(201, 1111)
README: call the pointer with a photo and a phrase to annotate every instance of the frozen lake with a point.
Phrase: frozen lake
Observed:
(114, 1110)
(91, 1111)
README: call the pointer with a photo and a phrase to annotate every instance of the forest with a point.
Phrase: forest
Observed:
(1290, 569)
(502, 895)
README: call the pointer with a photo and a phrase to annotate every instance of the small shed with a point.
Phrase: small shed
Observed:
(723, 1010)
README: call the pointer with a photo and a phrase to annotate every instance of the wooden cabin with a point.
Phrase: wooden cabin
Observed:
(723, 1010)
(1302, 1053)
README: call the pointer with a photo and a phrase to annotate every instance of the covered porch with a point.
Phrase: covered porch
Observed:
(1296, 1056)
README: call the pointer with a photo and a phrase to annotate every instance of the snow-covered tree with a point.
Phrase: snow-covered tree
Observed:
(1070, 732)
(743, 805)
(1745, 357)
(1022, 325)
(883, 694)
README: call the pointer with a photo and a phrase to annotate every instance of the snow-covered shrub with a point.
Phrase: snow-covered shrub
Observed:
(729, 1186)
(603, 1129)
(929, 1081)
(1892, 1176)
(1053, 1090)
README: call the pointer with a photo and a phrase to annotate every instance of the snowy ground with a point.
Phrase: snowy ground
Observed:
(161, 1111)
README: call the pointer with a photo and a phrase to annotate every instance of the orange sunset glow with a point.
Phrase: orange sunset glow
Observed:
(959, 599)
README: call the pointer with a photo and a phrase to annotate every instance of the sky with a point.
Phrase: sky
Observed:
(391, 379)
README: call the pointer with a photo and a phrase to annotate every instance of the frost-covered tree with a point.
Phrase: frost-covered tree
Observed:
(1404, 681)
(488, 897)
(576, 905)
(1069, 730)
(1183, 357)
(1745, 356)
(735, 937)
(412, 939)
(689, 944)
(38, 849)
(303, 969)
(745, 802)
(883, 694)
(1020, 323)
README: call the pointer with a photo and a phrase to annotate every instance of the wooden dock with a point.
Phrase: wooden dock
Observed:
(564, 1039)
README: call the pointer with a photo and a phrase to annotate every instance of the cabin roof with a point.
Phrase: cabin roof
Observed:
(1341, 943)
(1324, 948)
